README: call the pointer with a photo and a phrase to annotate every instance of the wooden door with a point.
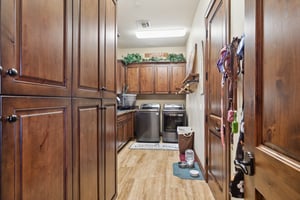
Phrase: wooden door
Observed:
(86, 68)
(218, 149)
(133, 79)
(110, 149)
(109, 74)
(161, 79)
(36, 159)
(177, 75)
(272, 92)
(146, 79)
(87, 155)
(36, 47)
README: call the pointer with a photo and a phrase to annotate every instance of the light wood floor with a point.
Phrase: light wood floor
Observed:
(148, 175)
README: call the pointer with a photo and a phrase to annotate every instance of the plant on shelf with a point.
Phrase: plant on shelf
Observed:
(132, 58)
(172, 57)
(137, 58)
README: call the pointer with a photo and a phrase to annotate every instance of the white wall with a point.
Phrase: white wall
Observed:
(195, 101)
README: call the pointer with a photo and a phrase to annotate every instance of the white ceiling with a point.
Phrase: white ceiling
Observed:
(160, 13)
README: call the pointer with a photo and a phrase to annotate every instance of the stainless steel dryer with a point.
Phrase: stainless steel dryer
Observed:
(147, 124)
(173, 115)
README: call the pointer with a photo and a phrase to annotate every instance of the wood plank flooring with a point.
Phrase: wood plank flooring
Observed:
(148, 175)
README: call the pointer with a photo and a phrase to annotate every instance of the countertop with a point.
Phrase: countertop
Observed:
(121, 112)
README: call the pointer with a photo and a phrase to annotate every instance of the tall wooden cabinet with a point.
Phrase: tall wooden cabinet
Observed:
(57, 100)
(36, 148)
(36, 47)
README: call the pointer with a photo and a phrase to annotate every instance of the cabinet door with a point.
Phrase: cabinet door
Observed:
(37, 149)
(87, 150)
(109, 71)
(86, 71)
(177, 76)
(162, 79)
(119, 134)
(110, 150)
(120, 77)
(130, 126)
(121, 130)
(36, 39)
(146, 79)
(133, 79)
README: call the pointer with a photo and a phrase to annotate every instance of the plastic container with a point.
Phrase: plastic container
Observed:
(189, 157)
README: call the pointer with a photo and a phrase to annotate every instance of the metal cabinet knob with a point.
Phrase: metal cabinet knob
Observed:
(12, 72)
(12, 118)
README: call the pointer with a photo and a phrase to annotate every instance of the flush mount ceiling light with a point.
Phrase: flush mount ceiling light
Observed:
(167, 33)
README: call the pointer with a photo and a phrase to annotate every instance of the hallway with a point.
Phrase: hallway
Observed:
(147, 175)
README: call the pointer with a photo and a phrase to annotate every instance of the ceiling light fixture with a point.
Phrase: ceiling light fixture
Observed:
(160, 33)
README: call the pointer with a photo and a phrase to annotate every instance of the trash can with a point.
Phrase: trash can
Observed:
(185, 138)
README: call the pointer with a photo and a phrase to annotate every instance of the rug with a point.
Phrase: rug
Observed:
(154, 146)
(184, 173)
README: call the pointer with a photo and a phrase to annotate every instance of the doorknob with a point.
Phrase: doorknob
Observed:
(247, 166)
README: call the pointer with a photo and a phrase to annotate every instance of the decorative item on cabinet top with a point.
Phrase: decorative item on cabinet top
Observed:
(153, 57)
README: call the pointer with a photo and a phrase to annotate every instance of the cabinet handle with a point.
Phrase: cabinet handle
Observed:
(217, 129)
(12, 72)
(12, 118)
(103, 89)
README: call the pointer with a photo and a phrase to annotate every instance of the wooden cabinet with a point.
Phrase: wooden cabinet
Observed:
(86, 49)
(125, 128)
(36, 43)
(87, 149)
(57, 100)
(36, 148)
(146, 79)
(109, 110)
(157, 78)
(108, 79)
(133, 79)
(177, 75)
(162, 79)
(120, 77)
(94, 49)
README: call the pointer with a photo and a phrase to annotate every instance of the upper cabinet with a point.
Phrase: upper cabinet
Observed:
(154, 78)
(88, 41)
(108, 79)
(177, 75)
(36, 43)
(120, 77)
(146, 78)
(132, 79)
(95, 49)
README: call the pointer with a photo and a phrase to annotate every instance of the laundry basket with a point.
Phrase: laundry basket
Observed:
(185, 138)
